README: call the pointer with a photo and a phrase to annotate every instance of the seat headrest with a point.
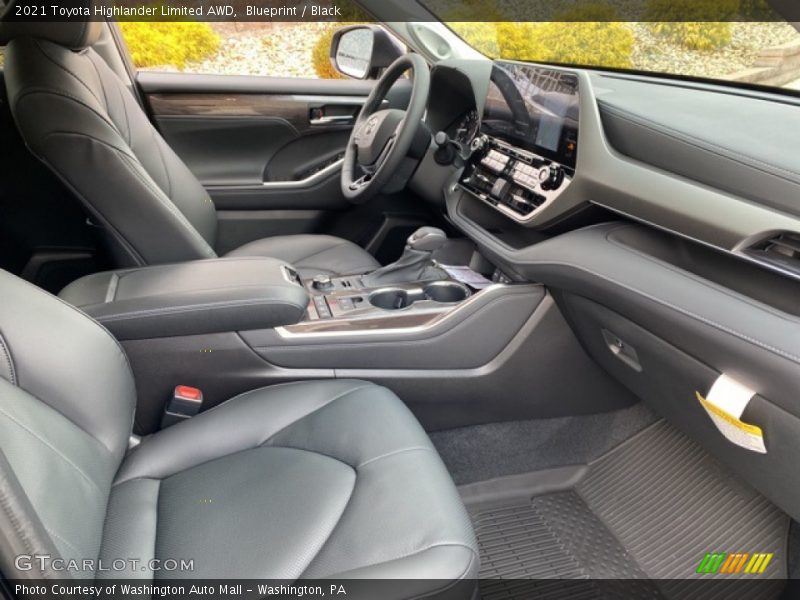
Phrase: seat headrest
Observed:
(75, 34)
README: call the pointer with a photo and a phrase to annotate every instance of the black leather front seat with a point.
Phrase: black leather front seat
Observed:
(80, 119)
(304, 480)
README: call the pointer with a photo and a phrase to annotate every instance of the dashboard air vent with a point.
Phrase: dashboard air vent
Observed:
(780, 251)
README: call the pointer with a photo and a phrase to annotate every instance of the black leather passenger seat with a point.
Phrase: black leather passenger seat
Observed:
(303, 480)
(80, 119)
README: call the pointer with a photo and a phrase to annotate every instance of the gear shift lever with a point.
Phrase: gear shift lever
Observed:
(415, 263)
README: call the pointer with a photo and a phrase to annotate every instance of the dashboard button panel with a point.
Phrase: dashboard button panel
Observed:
(514, 181)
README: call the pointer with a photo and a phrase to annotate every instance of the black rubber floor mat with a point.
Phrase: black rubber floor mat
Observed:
(650, 509)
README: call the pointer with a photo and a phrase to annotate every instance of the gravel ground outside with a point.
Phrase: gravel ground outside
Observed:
(284, 50)
(275, 50)
(653, 54)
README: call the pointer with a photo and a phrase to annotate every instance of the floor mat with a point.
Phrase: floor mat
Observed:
(649, 509)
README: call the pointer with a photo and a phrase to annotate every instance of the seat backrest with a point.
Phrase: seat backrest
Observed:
(67, 400)
(80, 119)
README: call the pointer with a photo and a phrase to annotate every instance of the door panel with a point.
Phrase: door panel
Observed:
(268, 150)
(225, 151)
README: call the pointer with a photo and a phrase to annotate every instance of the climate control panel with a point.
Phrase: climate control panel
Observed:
(514, 181)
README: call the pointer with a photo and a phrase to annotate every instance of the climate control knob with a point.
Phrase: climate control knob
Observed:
(551, 177)
(478, 143)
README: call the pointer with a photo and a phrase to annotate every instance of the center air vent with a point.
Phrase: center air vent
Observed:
(779, 251)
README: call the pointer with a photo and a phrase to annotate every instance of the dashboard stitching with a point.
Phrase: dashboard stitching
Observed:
(783, 353)
(702, 144)
(778, 351)
(700, 280)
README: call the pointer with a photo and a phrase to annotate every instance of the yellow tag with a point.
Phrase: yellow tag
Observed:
(734, 429)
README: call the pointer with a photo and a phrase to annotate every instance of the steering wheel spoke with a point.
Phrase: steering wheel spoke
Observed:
(382, 137)
(381, 160)
(361, 182)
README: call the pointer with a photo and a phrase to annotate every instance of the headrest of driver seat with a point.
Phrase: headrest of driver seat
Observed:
(75, 34)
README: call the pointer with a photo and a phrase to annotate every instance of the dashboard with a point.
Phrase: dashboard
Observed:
(548, 149)
(525, 153)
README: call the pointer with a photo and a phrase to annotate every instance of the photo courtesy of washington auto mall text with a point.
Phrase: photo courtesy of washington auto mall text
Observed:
(133, 590)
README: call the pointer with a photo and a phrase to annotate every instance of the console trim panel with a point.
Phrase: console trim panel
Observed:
(406, 321)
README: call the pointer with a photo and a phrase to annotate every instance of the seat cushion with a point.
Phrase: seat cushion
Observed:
(303, 480)
(313, 254)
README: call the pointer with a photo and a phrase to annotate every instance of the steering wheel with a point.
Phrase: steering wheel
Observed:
(381, 138)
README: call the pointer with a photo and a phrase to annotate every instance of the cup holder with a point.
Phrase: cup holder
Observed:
(446, 292)
(443, 292)
(390, 299)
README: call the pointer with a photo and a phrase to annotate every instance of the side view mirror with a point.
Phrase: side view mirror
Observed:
(361, 51)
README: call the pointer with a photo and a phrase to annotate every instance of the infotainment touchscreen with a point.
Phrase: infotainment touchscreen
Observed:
(533, 108)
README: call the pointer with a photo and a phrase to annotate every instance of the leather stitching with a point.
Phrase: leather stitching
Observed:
(724, 328)
(703, 145)
(31, 91)
(101, 220)
(163, 162)
(466, 225)
(90, 58)
(7, 353)
(177, 310)
(394, 453)
(328, 403)
(65, 69)
(700, 280)
(13, 516)
(111, 337)
(125, 114)
(168, 204)
(61, 539)
(324, 250)
(169, 294)
(265, 442)
(208, 251)
(442, 544)
(53, 448)
(127, 138)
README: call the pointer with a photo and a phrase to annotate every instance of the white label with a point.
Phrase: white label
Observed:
(467, 276)
(725, 404)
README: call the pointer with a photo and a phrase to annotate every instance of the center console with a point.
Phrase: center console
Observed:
(524, 156)
(226, 326)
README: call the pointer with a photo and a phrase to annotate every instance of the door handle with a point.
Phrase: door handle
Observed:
(332, 120)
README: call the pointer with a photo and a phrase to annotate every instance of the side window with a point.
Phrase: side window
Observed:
(277, 49)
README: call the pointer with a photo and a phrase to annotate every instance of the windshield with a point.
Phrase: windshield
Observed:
(753, 45)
